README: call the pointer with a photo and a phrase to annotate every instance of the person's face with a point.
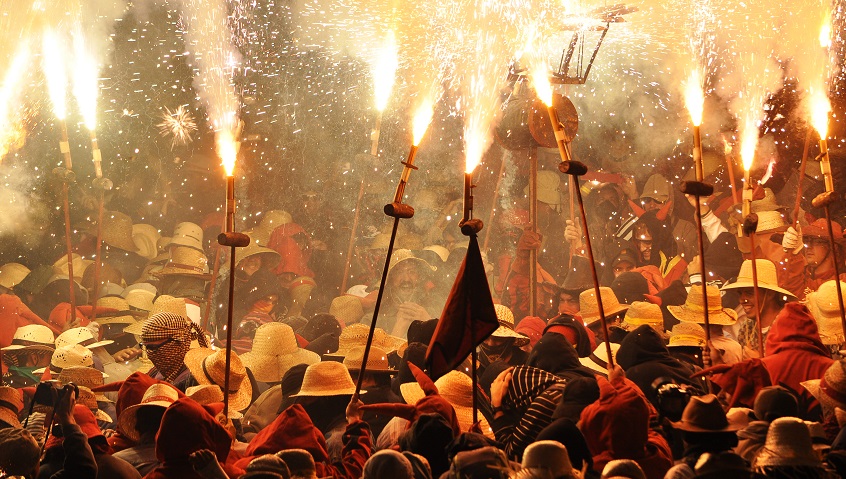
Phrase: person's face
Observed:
(747, 301)
(36, 359)
(622, 267)
(651, 204)
(568, 304)
(250, 264)
(494, 342)
(643, 240)
(405, 279)
(816, 251)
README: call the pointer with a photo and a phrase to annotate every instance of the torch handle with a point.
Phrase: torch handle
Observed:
(230, 204)
(64, 145)
(825, 166)
(697, 154)
(406, 174)
(96, 154)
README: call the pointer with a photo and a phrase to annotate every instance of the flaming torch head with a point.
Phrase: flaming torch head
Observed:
(384, 71)
(53, 66)
(227, 149)
(422, 119)
(540, 78)
(825, 31)
(694, 98)
(85, 81)
(820, 108)
(748, 145)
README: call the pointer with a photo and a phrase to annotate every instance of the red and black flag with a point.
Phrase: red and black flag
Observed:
(468, 317)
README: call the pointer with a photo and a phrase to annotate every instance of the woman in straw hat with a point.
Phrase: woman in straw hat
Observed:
(504, 344)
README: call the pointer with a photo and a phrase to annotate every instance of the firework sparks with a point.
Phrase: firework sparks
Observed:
(86, 84)
(177, 124)
(423, 116)
(384, 71)
(55, 72)
(694, 97)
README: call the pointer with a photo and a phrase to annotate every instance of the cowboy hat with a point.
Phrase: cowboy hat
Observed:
(275, 351)
(692, 311)
(598, 359)
(32, 336)
(589, 308)
(377, 360)
(705, 414)
(767, 278)
(157, 395)
(81, 335)
(11, 274)
(506, 326)
(825, 308)
(209, 367)
(329, 378)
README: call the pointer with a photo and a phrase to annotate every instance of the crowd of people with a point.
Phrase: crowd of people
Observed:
(118, 369)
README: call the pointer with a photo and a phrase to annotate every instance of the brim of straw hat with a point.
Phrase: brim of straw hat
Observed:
(135, 328)
(238, 400)
(785, 456)
(269, 369)
(123, 243)
(750, 284)
(328, 391)
(30, 347)
(123, 319)
(589, 363)
(101, 415)
(412, 392)
(169, 270)
(205, 398)
(686, 340)
(723, 317)
(594, 318)
(100, 344)
(129, 418)
(828, 403)
(506, 332)
(9, 417)
(635, 321)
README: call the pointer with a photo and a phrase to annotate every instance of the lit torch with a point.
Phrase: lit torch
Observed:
(422, 119)
(694, 100)
(227, 149)
(384, 75)
(820, 109)
(748, 144)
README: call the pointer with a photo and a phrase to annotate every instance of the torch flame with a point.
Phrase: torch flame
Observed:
(53, 66)
(422, 119)
(540, 78)
(694, 97)
(748, 141)
(85, 81)
(820, 108)
(384, 71)
(825, 31)
(226, 149)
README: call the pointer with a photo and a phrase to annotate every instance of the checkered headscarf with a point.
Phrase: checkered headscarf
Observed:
(169, 358)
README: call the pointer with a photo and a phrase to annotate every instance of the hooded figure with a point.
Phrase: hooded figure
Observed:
(655, 246)
(575, 331)
(556, 355)
(617, 427)
(293, 429)
(794, 353)
(188, 427)
(645, 358)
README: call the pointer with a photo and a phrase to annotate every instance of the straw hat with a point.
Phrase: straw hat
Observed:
(185, 260)
(439, 250)
(275, 351)
(598, 359)
(356, 335)
(269, 257)
(72, 355)
(377, 360)
(146, 239)
(83, 376)
(347, 309)
(687, 334)
(788, 444)
(825, 308)
(549, 188)
(32, 336)
(705, 414)
(187, 234)
(329, 378)
(117, 231)
(770, 222)
(830, 390)
(11, 274)
(273, 219)
(60, 268)
(819, 228)
(135, 328)
(767, 278)
(82, 336)
(767, 204)
(402, 255)
(550, 459)
(209, 394)
(692, 310)
(169, 304)
(642, 312)
(457, 389)
(88, 399)
(589, 308)
(11, 405)
(208, 367)
(506, 326)
(157, 395)
(140, 299)
(122, 315)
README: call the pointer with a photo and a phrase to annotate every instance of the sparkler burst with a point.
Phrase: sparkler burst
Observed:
(423, 116)
(179, 124)
(694, 97)
(384, 70)
(55, 72)
(86, 83)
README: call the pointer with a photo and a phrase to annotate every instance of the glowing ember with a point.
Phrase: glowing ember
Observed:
(86, 81)
(384, 71)
(540, 78)
(820, 108)
(694, 98)
(179, 124)
(53, 65)
(423, 117)
(227, 150)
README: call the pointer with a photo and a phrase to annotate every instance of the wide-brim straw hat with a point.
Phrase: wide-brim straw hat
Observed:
(643, 312)
(83, 376)
(377, 360)
(830, 390)
(687, 335)
(347, 308)
(34, 337)
(275, 351)
(209, 394)
(186, 261)
(403, 255)
(269, 258)
(135, 328)
(770, 222)
(157, 395)
(825, 308)
(506, 326)
(589, 307)
(187, 234)
(457, 389)
(598, 359)
(705, 414)
(72, 355)
(60, 268)
(693, 310)
(788, 444)
(169, 304)
(274, 219)
(767, 278)
(11, 274)
(356, 334)
(146, 239)
(11, 404)
(88, 398)
(140, 300)
(328, 378)
(208, 367)
(117, 231)
(122, 313)
(766, 204)
(81, 335)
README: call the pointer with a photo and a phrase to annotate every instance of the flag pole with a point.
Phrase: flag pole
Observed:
(576, 169)
(397, 210)
(471, 227)
(750, 227)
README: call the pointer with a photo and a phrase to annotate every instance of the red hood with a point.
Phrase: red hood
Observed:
(294, 260)
(618, 421)
(292, 429)
(794, 328)
(188, 427)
